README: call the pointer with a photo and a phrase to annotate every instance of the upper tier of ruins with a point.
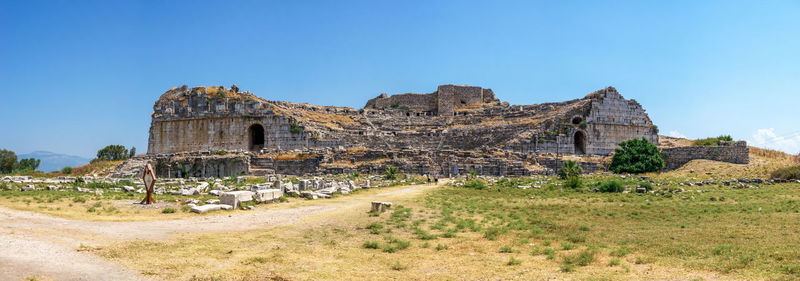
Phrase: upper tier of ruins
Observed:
(454, 118)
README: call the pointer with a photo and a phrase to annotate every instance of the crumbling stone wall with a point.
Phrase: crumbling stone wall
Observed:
(409, 101)
(200, 165)
(442, 102)
(613, 119)
(731, 152)
(215, 119)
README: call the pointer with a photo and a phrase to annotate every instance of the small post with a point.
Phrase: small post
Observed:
(149, 179)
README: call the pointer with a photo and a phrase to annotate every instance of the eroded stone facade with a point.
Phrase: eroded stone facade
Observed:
(444, 132)
(732, 152)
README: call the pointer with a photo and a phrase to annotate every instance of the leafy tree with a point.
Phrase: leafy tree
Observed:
(7, 161)
(27, 164)
(112, 152)
(133, 152)
(637, 156)
(66, 170)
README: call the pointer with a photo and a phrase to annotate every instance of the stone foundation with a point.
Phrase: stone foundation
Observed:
(443, 163)
(200, 166)
(731, 152)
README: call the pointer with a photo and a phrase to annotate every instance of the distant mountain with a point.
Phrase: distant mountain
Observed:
(54, 161)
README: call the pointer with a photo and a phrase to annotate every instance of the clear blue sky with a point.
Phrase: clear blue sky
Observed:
(78, 75)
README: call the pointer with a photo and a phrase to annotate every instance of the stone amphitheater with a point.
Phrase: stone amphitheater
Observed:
(219, 131)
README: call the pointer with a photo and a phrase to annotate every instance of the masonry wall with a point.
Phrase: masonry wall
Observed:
(227, 133)
(558, 144)
(412, 101)
(613, 120)
(443, 102)
(736, 153)
(201, 166)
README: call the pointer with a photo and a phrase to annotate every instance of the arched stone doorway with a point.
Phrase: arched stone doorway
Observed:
(256, 133)
(579, 140)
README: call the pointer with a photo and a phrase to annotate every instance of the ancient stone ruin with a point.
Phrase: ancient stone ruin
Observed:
(218, 131)
(735, 152)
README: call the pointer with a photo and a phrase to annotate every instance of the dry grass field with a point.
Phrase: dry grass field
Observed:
(483, 230)
(502, 233)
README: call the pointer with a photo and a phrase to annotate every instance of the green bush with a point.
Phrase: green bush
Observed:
(788, 173)
(390, 173)
(295, 129)
(371, 245)
(168, 211)
(637, 156)
(475, 184)
(611, 186)
(573, 182)
(571, 173)
(712, 141)
(582, 258)
(570, 169)
(647, 185)
(66, 170)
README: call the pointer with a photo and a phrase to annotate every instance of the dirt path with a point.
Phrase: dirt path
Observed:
(36, 244)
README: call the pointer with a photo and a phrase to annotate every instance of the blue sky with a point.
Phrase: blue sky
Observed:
(78, 75)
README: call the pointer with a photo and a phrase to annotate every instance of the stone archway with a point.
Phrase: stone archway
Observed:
(579, 140)
(256, 137)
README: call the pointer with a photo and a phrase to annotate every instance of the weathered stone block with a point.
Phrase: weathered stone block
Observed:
(267, 195)
(233, 198)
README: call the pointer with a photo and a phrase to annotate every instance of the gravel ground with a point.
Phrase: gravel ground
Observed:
(33, 244)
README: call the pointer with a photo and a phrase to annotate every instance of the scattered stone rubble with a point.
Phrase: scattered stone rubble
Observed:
(230, 197)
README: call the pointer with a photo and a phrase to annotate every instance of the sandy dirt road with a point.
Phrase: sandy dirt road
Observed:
(33, 244)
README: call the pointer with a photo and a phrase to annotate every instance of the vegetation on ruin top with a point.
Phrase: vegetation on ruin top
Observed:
(323, 118)
(293, 156)
(712, 141)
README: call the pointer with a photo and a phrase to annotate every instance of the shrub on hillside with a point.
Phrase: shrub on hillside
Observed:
(712, 141)
(475, 184)
(637, 156)
(573, 182)
(788, 173)
(611, 186)
(390, 173)
(570, 169)
(571, 174)
(66, 170)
